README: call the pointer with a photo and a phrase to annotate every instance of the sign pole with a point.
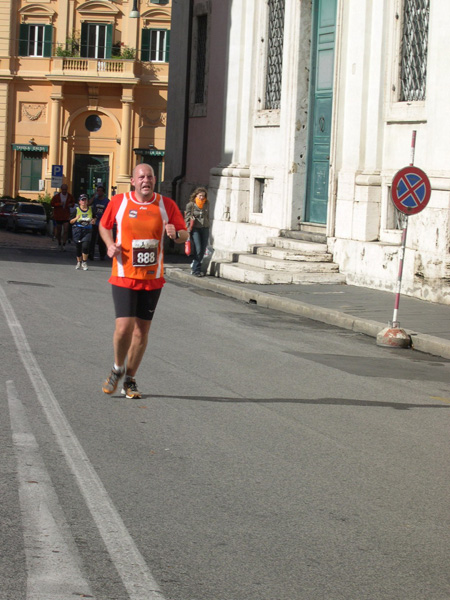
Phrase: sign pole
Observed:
(410, 194)
(395, 321)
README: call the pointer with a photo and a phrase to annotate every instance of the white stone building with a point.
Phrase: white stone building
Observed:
(298, 113)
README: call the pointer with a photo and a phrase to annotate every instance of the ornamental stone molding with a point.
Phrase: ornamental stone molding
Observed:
(33, 111)
(153, 118)
(97, 8)
(36, 13)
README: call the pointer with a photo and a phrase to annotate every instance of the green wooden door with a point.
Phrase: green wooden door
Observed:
(321, 102)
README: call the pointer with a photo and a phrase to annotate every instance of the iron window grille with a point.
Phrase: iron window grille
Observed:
(200, 70)
(274, 54)
(414, 51)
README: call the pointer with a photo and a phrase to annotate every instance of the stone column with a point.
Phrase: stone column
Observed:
(6, 180)
(55, 129)
(126, 135)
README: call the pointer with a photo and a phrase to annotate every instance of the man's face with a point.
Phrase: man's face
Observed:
(100, 192)
(143, 181)
(64, 189)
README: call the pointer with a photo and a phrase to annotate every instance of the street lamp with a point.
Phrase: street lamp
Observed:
(134, 14)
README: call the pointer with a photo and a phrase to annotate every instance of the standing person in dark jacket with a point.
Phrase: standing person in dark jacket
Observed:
(197, 213)
(98, 203)
(61, 204)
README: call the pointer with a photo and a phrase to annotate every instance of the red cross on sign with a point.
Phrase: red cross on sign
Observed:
(411, 190)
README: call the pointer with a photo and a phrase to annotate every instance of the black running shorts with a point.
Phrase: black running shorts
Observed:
(135, 303)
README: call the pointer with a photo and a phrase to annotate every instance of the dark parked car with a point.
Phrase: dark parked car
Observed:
(5, 209)
(28, 215)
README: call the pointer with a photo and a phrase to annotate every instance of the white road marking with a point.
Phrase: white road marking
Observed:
(52, 559)
(126, 557)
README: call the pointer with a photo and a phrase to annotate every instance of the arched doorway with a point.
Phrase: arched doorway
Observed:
(89, 171)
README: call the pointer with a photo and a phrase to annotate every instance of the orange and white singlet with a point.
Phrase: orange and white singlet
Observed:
(140, 233)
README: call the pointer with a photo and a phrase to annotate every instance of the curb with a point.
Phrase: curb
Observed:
(420, 341)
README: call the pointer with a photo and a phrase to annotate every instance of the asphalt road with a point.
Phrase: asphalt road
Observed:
(271, 457)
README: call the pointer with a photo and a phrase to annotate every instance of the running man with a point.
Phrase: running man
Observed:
(142, 217)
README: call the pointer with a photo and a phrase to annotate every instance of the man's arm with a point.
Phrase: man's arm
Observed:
(176, 228)
(112, 248)
(179, 237)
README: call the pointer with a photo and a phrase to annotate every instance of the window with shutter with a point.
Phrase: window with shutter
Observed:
(96, 40)
(35, 40)
(155, 45)
(30, 171)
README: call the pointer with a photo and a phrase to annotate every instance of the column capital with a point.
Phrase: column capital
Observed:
(57, 92)
(127, 94)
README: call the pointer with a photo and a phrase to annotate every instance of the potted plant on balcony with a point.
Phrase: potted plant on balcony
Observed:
(120, 50)
(71, 47)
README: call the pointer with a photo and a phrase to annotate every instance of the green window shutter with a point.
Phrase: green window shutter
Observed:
(25, 172)
(145, 45)
(48, 40)
(30, 171)
(167, 45)
(109, 35)
(23, 40)
(84, 40)
(36, 172)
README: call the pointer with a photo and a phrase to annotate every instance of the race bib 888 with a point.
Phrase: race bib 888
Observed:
(145, 252)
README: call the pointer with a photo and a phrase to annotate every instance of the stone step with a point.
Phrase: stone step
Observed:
(311, 232)
(244, 274)
(292, 255)
(297, 245)
(277, 264)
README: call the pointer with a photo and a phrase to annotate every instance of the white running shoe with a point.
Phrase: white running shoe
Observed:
(130, 389)
(78, 266)
(84, 266)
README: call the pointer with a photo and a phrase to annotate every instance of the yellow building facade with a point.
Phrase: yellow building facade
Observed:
(83, 85)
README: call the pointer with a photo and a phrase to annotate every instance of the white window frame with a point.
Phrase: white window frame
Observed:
(33, 45)
(159, 52)
(396, 111)
(97, 45)
(263, 117)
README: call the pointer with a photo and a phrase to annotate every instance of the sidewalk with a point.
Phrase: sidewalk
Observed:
(359, 309)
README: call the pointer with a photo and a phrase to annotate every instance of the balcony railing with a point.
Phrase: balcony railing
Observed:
(91, 67)
(65, 67)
